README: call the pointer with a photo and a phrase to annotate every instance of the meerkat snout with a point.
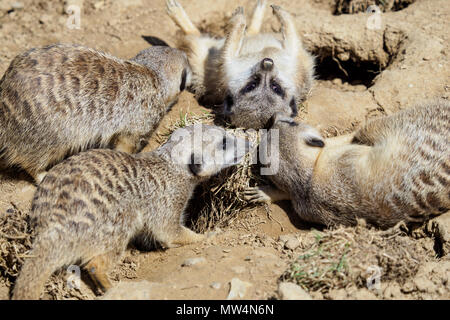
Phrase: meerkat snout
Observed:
(267, 64)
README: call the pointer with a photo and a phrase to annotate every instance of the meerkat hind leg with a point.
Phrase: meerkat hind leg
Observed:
(99, 266)
(236, 31)
(265, 194)
(288, 28)
(257, 18)
(181, 19)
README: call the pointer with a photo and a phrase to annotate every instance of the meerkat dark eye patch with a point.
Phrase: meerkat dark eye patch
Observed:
(276, 87)
(294, 108)
(251, 85)
(228, 103)
(195, 168)
(183, 80)
(315, 142)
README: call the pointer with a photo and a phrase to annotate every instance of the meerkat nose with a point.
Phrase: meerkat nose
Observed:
(267, 64)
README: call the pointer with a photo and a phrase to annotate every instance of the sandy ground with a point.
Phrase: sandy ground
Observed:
(362, 73)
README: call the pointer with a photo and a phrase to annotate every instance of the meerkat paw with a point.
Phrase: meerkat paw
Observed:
(256, 194)
(179, 16)
(265, 194)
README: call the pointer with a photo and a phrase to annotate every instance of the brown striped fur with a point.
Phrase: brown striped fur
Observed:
(62, 99)
(89, 207)
(393, 169)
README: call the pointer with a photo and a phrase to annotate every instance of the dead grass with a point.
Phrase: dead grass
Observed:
(15, 242)
(218, 201)
(343, 257)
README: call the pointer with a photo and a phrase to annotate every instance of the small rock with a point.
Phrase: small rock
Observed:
(238, 269)
(291, 291)
(193, 261)
(292, 244)
(392, 291)
(408, 287)
(226, 250)
(142, 290)
(424, 285)
(337, 81)
(216, 285)
(17, 5)
(238, 289)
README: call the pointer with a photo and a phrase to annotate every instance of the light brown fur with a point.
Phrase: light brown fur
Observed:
(224, 69)
(89, 207)
(393, 169)
(62, 99)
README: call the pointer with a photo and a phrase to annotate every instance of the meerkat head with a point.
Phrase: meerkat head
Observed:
(256, 93)
(291, 142)
(204, 150)
(171, 66)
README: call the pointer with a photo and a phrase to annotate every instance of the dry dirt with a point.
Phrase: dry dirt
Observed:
(361, 74)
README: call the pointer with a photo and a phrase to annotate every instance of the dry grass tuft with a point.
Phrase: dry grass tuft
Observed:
(336, 259)
(15, 242)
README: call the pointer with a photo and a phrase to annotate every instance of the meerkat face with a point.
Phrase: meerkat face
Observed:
(295, 142)
(205, 150)
(172, 67)
(255, 95)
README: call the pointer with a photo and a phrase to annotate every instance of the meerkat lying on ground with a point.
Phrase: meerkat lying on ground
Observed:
(62, 99)
(89, 207)
(251, 75)
(393, 169)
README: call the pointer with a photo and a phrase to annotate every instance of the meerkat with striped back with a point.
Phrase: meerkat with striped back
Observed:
(61, 99)
(248, 75)
(89, 207)
(393, 169)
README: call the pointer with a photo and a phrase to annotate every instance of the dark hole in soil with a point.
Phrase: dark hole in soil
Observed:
(353, 72)
(356, 6)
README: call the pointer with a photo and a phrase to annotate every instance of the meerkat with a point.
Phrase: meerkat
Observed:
(61, 99)
(248, 75)
(393, 169)
(89, 207)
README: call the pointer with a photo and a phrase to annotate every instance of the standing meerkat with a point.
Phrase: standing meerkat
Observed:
(61, 99)
(89, 207)
(252, 75)
(393, 169)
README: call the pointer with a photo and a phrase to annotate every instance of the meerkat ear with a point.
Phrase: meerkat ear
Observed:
(314, 139)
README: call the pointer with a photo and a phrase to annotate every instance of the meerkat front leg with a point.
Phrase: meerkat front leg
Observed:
(288, 29)
(236, 30)
(265, 194)
(257, 18)
(183, 236)
(181, 19)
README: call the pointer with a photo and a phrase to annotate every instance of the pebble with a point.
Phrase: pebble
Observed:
(291, 291)
(216, 285)
(238, 288)
(193, 261)
(238, 269)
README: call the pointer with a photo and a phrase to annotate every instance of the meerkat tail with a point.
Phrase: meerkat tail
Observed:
(31, 281)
